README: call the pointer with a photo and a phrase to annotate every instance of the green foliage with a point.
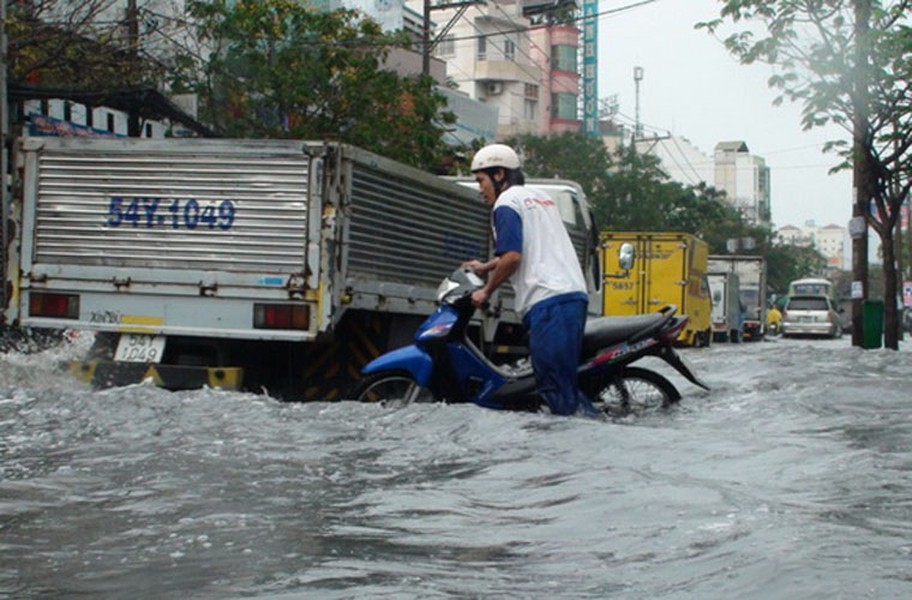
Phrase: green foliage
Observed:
(573, 156)
(285, 70)
(629, 191)
(637, 194)
(786, 262)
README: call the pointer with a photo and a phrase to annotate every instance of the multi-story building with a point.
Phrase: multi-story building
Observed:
(510, 54)
(743, 177)
(680, 159)
(487, 48)
(556, 51)
(831, 241)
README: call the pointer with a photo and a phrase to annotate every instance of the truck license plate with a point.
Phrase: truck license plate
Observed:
(140, 348)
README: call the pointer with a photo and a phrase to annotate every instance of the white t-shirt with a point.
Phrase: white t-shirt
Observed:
(528, 221)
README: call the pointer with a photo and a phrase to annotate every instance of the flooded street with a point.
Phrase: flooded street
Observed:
(792, 478)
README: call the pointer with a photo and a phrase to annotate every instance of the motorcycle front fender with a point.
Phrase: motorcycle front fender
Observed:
(410, 359)
(669, 355)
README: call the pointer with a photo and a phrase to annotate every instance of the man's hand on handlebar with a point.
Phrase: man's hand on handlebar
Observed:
(478, 266)
(480, 298)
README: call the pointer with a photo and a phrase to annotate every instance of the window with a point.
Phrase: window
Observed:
(820, 303)
(531, 91)
(482, 48)
(530, 109)
(565, 202)
(563, 58)
(563, 106)
(447, 46)
(509, 50)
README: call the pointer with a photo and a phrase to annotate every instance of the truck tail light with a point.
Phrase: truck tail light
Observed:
(61, 306)
(281, 316)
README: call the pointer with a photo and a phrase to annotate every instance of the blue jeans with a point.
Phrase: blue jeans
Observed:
(555, 329)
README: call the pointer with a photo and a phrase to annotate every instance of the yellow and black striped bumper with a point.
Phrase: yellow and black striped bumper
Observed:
(105, 374)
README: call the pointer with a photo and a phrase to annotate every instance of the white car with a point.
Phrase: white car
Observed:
(810, 315)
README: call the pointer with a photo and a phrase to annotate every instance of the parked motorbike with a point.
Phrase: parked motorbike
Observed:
(443, 364)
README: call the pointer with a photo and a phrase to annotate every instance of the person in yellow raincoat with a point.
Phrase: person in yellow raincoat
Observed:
(773, 320)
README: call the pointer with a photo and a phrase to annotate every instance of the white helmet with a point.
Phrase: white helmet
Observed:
(495, 155)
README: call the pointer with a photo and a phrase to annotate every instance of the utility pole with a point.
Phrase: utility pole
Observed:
(133, 125)
(638, 128)
(427, 45)
(898, 238)
(426, 39)
(4, 156)
(861, 173)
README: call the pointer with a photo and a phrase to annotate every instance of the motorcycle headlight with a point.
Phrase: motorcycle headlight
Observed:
(446, 286)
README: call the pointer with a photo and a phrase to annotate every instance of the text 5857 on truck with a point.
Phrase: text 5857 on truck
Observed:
(277, 264)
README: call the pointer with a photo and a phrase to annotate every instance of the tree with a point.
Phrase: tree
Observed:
(562, 156)
(629, 191)
(704, 211)
(786, 263)
(84, 45)
(847, 62)
(95, 53)
(280, 69)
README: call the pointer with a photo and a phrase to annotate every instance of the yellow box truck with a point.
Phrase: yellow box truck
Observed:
(670, 268)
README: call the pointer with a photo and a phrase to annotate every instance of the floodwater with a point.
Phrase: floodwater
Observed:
(792, 478)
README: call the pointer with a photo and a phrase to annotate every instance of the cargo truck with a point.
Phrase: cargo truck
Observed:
(670, 268)
(243, 264)
(727, 310)
(751, 271)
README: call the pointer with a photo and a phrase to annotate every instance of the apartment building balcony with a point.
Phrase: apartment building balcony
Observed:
(565, 82)
(506, 70)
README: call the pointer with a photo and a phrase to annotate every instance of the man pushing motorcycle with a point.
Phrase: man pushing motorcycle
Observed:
(533, 251)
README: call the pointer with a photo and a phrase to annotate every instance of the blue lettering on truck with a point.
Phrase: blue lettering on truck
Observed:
(176, 213)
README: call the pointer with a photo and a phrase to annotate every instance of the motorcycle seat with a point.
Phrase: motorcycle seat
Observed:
(605, 331)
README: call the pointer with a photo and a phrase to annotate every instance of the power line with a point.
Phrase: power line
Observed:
(604, 13)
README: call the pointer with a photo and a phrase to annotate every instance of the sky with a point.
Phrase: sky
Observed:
(693, 88)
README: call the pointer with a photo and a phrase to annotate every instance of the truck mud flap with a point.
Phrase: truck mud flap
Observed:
(106, 374)
(330, 370)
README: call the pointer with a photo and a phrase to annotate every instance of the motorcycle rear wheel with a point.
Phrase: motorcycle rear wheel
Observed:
(390, 388)
(635, 390)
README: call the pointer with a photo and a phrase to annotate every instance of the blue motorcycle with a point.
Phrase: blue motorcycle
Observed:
(444, 365)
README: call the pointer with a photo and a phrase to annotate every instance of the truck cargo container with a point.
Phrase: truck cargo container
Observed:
(751, 271)
(727, 309)
(670, 268)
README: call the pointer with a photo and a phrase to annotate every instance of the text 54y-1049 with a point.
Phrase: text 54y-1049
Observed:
(175, 213)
